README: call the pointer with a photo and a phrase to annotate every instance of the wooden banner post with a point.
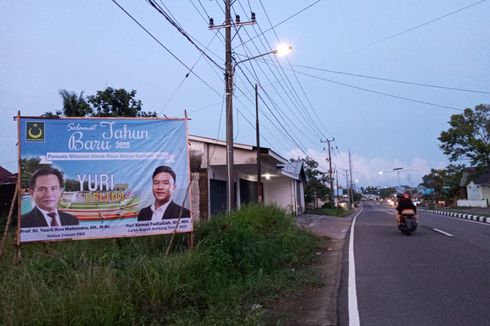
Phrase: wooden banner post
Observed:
(9, 220)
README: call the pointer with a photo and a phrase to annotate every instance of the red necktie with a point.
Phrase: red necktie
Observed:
(53, 219)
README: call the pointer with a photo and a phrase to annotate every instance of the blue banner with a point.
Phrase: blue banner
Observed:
(91, 178)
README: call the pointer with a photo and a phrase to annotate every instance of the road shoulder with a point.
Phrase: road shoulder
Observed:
(316, 306)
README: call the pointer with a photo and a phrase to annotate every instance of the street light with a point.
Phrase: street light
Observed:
(398, 174)
(281, 50)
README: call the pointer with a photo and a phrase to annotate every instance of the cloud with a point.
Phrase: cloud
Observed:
(373, 171)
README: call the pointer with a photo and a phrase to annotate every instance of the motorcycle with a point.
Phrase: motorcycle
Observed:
(408, 222)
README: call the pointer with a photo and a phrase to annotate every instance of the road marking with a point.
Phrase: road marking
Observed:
(352, 291)
(390, 212)
(445, 233)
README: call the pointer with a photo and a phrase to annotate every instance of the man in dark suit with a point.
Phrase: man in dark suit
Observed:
(163, 186)
(46, 188)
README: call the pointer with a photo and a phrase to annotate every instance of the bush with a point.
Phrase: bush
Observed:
(239, 259)
(328, 205)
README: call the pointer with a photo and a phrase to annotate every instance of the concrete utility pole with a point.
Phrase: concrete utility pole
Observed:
(230, 175)
(337, 185)
(351, 186)
(330, 176)
(346, 171)
(260, 196)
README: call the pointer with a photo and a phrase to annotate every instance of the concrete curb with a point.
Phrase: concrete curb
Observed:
(477, 218)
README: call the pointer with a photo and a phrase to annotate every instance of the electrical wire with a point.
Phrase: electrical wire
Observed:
(181, 31)
(395, 80)
(185, 78)
(164, 47)
(383, 93)
(299, 83)
(286, 104)
(411, 29)
(287, 19)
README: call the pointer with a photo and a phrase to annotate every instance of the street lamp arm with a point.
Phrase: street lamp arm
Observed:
(254, 57)
(283, 49)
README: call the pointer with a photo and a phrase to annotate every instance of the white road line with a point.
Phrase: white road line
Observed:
(352, 291)
(445, 233)
(391, 213)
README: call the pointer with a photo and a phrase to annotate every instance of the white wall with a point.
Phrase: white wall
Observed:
(280, 191)
(472, 203)
(474, 191)
(485, 193)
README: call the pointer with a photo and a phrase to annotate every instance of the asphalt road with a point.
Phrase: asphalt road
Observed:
(438, 276)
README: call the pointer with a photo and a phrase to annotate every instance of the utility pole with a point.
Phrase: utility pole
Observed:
(346, 171)
(337, 185)
(330, 176)
(230, 175)
(351, 190)
(260, 195)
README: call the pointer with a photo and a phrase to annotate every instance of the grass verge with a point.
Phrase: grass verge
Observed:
(335, 211)
(240, 261)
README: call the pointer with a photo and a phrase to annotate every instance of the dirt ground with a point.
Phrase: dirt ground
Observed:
(316, 306)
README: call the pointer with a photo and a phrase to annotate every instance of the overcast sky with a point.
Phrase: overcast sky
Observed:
(320, 91)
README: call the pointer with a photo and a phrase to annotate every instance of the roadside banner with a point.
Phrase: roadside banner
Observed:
(106, 166)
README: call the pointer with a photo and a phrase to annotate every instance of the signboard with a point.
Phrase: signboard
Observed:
(102, 178)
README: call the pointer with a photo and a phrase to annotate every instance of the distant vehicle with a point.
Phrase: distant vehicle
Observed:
(416, 202)
(390, 202)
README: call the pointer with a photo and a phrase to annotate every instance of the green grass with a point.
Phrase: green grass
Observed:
(239, 260)
(335, 211)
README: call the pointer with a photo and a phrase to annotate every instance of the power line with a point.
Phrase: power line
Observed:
(412, 28)
(296, 101)
(283, 116)
(288, 18)
(181, 30)
(164, 47)
(284, 130)
(383, 93)
(314, 121)
(395, 80)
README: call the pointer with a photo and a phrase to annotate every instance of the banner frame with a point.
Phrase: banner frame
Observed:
(19, 244)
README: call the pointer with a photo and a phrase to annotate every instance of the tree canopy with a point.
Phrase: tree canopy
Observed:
(316, 180)
(445, 182)
(109, 102)
(469, 136)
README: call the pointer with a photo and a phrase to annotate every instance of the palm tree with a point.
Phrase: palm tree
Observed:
(74, 105)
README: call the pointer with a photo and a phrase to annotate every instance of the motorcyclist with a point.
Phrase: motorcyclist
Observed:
(405, 202)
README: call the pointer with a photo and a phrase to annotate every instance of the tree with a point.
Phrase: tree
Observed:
(106, 103)
(315, 186)
(117, 103)
(469, 136)
(73, 105)
(445, 182)
(387, 192)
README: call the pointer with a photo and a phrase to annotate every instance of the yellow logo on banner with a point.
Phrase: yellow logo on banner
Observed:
(35, 131)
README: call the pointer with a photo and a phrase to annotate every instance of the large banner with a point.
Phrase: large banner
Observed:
(103, 178)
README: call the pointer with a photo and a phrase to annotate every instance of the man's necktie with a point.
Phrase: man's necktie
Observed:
(53, 219)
